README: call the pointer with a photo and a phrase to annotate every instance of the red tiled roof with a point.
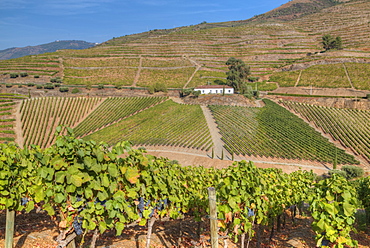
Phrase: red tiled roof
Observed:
(213, 87)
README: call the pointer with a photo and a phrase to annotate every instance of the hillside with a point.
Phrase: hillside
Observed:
(283, 40)
(16, 52)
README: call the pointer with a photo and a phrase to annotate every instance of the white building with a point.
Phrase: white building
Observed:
(215, 89)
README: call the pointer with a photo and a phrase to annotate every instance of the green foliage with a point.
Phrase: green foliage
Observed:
(36, 76)
(30, 84)
(8, 85)
(330, 43)
(100, 86)
(14, 75)
(38, 86)
(333, 206)
(157, 87)
(338, 172)
(253, 79)
(237, 74)
(23, 74)
(352, 171)
(49, 86)
(75, 91)
(368, 96)
(63, 89)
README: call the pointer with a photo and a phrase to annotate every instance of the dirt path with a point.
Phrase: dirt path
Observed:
(298, 79)
(137, 76)
(18, 125)
(215, 134)
(349, 79)
(197, 67)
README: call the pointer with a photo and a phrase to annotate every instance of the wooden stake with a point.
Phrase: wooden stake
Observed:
(150, 227)
(9, 228)
(213, 216)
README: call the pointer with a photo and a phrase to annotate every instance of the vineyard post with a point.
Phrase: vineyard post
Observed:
(213, 216)
(9, 229)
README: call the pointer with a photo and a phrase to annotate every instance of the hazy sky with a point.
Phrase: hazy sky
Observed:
(35, 22)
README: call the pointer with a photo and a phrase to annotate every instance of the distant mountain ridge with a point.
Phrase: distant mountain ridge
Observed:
(16, 52)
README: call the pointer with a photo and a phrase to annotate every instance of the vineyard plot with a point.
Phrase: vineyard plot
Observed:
(272, 131)
(40, 116)
(166, 124)
(350, 127)
(114, 109)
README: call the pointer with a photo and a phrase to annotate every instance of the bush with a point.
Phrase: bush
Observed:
(49, 86)
(38, 86)
(36, 76)
(100, 86)
(253, 79)
(57, 85)
(352, 171)
(14, 75)
(9, 85)
(63, 89)
(118, 87)
(368, 96)
(56, 80)
(24, 74)
(75, 91)
(157, 87)
(30, 84)
(338, 172)
(20, 86)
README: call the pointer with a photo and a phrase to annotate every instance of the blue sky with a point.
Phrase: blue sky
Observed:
(35, 22)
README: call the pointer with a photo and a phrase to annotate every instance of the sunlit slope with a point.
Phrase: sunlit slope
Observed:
(195, 55)
(166, 124)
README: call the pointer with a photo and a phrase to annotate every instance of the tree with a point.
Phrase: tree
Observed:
(329, 42)
(237, 74)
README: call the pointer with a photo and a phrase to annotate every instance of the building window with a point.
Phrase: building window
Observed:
(203, 91)
(229, 91)
(216, 91)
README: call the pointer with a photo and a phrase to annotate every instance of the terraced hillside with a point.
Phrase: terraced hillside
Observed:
(194, 55)
(8, 104)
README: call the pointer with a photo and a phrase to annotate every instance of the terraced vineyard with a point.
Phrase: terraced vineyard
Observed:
(348, 126)
(7, 117)
(273, 131)
(40, 116)
(166, 124)
(114, 109)
(265, 43)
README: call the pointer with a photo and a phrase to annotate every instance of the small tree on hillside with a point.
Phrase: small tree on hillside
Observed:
(237, 74)
(330, 43)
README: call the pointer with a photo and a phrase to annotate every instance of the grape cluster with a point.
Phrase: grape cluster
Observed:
(24, 201)
(77, 225)
(161, 204)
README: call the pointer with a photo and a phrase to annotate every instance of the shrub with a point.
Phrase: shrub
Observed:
(338, 172)
(57, 85)
(30, 84)
(14, 75)
(352, 171)
(24, 74)
(49, 86)
(9, 85)
(253, 79)
(20, 86)
(36, 76)
(118, 87)
(368, 96)
(151, 89)
(38, 86)
(100, 86)
(75, 91)
(63, 89)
